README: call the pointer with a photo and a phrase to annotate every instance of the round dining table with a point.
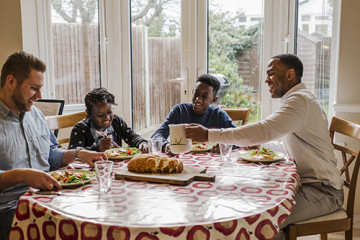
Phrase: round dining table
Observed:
(247, 200)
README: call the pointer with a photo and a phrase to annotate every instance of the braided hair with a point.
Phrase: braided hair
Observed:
(98, 95)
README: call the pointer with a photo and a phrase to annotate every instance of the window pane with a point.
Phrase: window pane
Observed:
(156, 59)
(75, 32)
(235, 40)
(314, 47)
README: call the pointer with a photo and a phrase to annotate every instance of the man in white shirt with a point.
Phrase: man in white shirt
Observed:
(302, 124)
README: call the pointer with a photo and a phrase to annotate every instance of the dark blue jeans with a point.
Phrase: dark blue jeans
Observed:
(5, 224)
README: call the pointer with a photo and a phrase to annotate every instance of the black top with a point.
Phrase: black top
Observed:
(81, 135)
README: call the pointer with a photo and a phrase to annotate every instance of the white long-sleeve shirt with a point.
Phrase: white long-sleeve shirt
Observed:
(303, 125)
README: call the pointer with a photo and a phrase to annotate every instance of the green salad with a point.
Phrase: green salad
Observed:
(69, 177)
(263, 152)
(122, 152)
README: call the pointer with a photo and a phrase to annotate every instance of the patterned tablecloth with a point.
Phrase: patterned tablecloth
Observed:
(246, 201)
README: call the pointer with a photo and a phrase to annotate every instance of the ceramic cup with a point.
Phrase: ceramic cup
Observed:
(178, 141)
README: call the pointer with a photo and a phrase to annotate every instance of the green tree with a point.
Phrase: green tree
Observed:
(226, 42)
(157, 16)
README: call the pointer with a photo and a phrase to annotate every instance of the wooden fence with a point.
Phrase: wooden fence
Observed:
(154, 62)
(76, 60)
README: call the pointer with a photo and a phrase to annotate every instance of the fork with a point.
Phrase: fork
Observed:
(104, 135)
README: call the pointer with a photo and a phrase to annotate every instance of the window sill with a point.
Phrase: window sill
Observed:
(71, 108)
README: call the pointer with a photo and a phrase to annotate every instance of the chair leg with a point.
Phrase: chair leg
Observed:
(349, 234)
(291, 233)
(323, 236)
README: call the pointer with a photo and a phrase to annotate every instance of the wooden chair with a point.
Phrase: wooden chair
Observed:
(341, 220)
(64, 121)
(239, 114)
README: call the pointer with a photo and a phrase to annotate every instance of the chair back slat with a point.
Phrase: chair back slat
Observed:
(345, 127)
(239, 114)
(344, 150)
(64, 121)
(63, 140)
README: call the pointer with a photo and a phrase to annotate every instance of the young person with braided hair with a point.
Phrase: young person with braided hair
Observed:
(101, 128)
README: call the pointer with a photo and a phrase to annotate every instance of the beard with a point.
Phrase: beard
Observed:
(20, 102)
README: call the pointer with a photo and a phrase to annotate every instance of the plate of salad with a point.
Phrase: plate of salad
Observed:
(261, 155)
(71, 178)
(122, 153)
(201, 147)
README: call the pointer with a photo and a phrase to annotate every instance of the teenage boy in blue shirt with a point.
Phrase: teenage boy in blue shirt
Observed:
(198, 111)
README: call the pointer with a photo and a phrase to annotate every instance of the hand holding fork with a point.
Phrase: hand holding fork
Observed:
(106, 137)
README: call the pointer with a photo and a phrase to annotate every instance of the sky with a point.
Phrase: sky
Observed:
(253, 7)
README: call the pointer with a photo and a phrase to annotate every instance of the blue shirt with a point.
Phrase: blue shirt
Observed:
(183, 113)
(25, 142)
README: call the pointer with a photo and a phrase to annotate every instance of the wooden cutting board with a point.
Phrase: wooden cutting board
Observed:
(188, 175)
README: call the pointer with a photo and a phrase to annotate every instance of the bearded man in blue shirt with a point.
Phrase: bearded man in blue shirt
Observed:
(28, 148)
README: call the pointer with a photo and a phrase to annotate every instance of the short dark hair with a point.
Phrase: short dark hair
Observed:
(211, 81)
(98, 95)
(292, 62)
(19, 65)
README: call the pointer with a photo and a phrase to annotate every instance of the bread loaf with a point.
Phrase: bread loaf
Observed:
(151, 163)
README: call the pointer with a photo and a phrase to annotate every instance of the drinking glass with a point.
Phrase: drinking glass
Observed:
(103, 170)
(179, 144)
(225, 151)
(156, 145)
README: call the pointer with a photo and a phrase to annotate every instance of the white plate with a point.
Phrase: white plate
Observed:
(246, 156)
(208, 147)
(89, 175)
(119, 156)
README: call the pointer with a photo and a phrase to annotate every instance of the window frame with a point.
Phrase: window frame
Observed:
(115, 47)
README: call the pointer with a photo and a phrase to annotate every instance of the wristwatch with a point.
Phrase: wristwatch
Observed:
(76, 152)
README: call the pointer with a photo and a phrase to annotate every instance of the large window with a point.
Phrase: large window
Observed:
(153, 51)
(75, 44)
(156, 60)
(235, 50)
(314, 47)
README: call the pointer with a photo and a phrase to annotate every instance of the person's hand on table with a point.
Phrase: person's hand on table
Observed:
(215, 148)
(39, 180)
(105, 144)
(90, 157)
(196, 132)
(144, 147)
(167, 150)
(251, 147)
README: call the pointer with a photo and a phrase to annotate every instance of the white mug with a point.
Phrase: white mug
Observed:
(178, 141)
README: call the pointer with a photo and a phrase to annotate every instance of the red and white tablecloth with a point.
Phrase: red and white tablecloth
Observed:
(246, 201)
